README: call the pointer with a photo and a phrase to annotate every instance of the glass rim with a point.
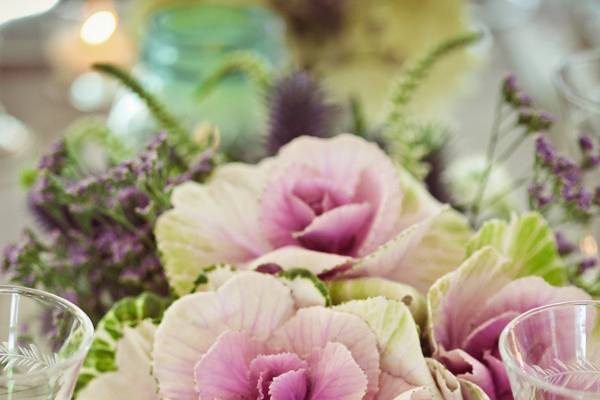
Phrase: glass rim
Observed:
(583, 57)
(82, 317)
(509, 360)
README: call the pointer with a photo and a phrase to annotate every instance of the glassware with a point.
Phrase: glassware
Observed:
(184, 44)
(577, 82)
(43, 342)
(553, 352)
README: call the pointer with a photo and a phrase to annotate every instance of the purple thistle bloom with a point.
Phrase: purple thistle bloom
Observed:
(588, 263)
(297, 107)
(563, 245)
(585, 143)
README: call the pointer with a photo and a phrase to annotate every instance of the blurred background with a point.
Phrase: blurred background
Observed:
(47, 47)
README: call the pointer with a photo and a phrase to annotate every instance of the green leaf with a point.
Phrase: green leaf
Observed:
(211, 278)
(528, 242)
(127, 312)
(345, 290)
(307, 289)
(397, 339)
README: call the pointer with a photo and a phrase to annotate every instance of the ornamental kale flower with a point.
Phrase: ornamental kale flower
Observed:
(511, 268)
(319, 204)
(267, 345)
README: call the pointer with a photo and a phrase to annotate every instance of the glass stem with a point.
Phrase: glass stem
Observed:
(13, 334)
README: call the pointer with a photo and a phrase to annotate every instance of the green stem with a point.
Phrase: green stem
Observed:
(510, 150)
(511, 188)
(475, 207)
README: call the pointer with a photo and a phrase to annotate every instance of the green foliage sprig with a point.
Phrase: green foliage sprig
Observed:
(251, 65)
(178, 133)
(410, 142)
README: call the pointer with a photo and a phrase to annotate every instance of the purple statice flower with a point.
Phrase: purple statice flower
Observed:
(513, 94)
(568, 171)
(536, 192)
(587, 264)
(127, 246)
(569, 193)
(197, 171)
(78, 254)
(71, 296)
(83, 186)
(564, 245)
(535, 121)
(591, 161)
(55, 159)
(297, 107)
(584, 199)
(585, 143)
(132, 199)
(544, 151)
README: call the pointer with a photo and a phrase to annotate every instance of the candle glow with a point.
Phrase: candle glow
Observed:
(98, 27)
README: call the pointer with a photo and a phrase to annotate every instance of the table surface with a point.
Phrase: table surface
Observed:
(31, 93)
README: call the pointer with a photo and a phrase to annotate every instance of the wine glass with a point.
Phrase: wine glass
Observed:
(553, 352)
(43, 342)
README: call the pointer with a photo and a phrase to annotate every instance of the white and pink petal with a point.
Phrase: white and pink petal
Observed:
(253, 303)
(315, 327)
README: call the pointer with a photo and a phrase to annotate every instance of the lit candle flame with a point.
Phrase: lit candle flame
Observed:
(99, 27)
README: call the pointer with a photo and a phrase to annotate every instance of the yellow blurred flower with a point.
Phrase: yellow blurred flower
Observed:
(373, 40)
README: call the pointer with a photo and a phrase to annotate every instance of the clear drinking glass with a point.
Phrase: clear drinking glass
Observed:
(553, 352)
(43, 342)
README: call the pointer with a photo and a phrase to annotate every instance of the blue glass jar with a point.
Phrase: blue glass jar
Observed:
(181, 47)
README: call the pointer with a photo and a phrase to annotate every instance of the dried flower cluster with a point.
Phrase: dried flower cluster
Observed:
(97, 244)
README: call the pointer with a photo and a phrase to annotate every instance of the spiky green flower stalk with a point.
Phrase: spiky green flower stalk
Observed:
(179, 134)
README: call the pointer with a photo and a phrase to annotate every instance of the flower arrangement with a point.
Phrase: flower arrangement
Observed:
(327, 270)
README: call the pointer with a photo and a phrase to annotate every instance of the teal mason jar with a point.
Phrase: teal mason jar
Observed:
(184, 44)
